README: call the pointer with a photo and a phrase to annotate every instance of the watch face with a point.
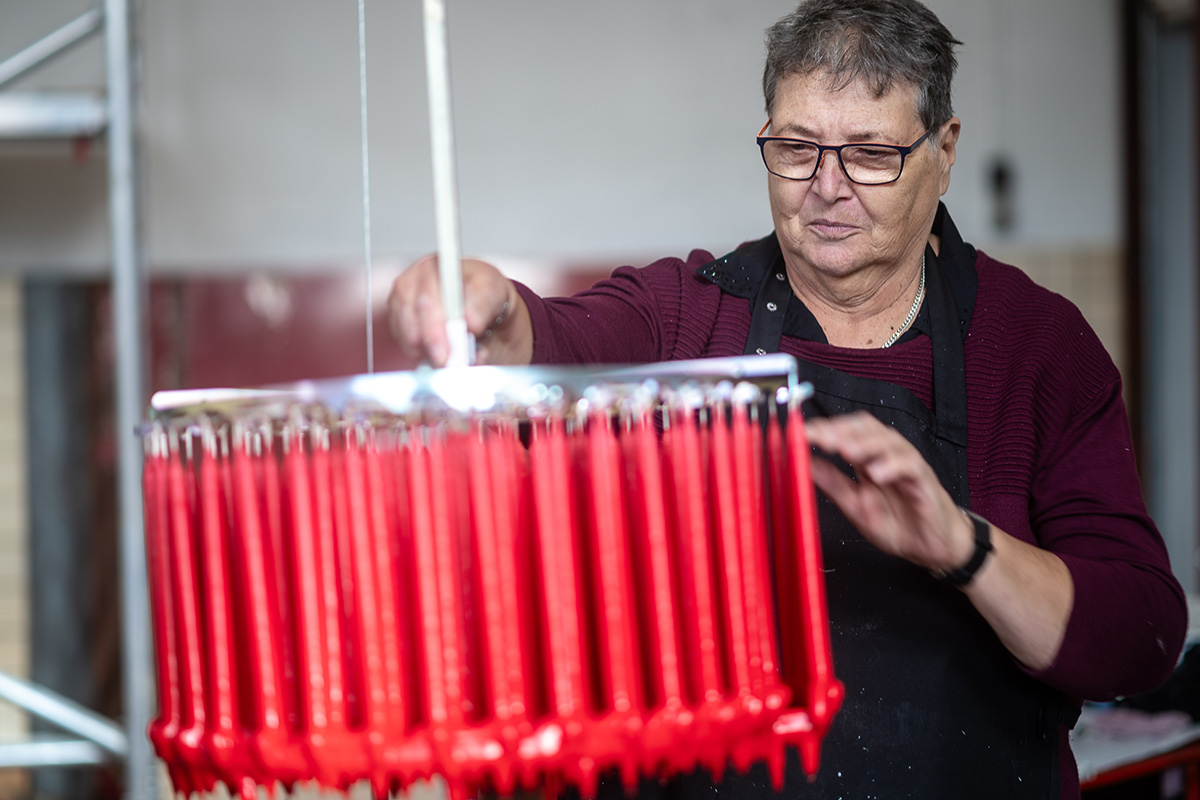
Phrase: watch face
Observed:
(983, 546)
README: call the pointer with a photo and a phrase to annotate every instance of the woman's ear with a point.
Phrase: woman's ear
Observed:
(947, 144)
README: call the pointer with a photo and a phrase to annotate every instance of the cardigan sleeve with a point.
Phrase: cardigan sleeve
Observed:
(1053, 464)
(633, 316)
(1129, 616)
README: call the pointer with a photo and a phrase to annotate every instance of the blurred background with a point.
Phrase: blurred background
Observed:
(589, 135)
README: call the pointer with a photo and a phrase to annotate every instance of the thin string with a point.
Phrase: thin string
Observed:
(366, 175)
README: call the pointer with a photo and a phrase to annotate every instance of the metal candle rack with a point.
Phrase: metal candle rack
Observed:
(505, 577)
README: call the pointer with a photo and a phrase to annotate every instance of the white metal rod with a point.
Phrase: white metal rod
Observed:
(55, 752)
(127, 291)
(64, 713)
(445, 195)
(38, 115)
(70, 34)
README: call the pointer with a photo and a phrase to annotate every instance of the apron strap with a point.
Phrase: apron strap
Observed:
(949, 382)
(949, 368)
(769, 312)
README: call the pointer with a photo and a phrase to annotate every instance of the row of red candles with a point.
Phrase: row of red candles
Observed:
(346, 601)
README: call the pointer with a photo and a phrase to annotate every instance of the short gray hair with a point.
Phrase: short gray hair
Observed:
(881, 41)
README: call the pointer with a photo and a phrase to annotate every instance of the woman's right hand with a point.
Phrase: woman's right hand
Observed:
(494, 312)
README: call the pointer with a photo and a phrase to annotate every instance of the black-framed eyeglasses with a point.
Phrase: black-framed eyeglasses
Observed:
(865, 163)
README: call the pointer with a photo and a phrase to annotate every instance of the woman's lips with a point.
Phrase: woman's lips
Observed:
(831, 228)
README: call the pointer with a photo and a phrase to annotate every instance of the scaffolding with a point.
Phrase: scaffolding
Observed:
(89, 738)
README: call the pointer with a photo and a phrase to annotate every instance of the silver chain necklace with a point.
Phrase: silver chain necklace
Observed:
(912, 312)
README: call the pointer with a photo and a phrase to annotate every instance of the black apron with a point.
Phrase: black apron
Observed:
(935, 706)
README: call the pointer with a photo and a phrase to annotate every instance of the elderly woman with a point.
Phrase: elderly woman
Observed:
(989, 557)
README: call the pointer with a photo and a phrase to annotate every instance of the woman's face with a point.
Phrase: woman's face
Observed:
(839, 228)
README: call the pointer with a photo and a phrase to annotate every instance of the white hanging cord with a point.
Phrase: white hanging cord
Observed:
(445, 200)
(366, 175)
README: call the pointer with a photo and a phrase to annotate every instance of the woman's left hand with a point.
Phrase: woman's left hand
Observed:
(897, 501)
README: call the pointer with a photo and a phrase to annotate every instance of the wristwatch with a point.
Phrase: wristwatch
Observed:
(983, 545)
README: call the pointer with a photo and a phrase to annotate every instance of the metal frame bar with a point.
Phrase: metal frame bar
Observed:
(127, 294)
(1132, 175)
(481, 390)
(52, 751)
(50, 46)
(66, 714)
(42, 115)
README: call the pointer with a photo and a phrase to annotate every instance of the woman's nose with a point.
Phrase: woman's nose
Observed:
(830, 179)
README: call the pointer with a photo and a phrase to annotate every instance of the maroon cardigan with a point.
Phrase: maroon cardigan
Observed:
(1049, 452)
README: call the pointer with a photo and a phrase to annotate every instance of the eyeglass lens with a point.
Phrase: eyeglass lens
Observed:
(862, 163)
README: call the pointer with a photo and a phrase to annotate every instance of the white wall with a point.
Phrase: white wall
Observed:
(1040, 84)
(586, 131)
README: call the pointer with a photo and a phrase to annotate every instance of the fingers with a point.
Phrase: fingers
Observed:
(878, 452)
(839, 487)
(415, 313)
(867, 505)
(417, 317)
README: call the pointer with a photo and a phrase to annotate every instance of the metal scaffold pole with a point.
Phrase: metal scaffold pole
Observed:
(127, 299)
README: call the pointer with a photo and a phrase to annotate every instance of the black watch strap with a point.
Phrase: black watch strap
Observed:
(983, 545)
